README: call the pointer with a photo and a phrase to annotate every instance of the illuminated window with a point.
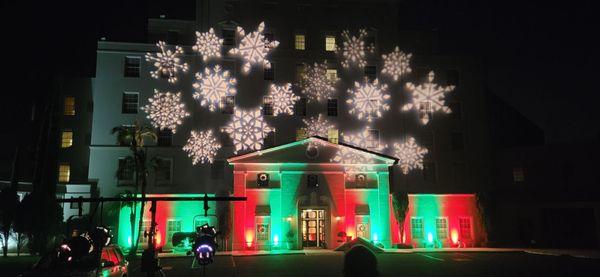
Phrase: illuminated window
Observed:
(267, 107)
(441, 228)
(228, 104)
(130, 102)
(416, 228)
(66, 139)
(269, 73)
(132, 67)
(373, 139)
(69, 108)
(333, 135)
(64, 173)
(329, 43)
(464, 226)
(301, 134)
(332, 107)
(332, 73)
(518, 174)
(299, 42)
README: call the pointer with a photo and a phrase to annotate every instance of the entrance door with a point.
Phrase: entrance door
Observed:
(313, 228)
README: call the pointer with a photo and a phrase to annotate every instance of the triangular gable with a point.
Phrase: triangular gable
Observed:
(302, 151)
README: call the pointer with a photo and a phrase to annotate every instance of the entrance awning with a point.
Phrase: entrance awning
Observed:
(262, 210)
(362, 210)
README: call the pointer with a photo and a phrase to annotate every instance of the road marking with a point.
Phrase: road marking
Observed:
(232, 261)
(430, 257)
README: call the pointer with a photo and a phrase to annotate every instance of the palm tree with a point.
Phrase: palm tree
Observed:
(135, 137)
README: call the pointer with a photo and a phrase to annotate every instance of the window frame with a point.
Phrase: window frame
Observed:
(126, 105)
(61, 175)
(68, 107)
(300, 44)
(330, 45)
(128, 68)
(413, 228)
(445, 229)
(166, 182)
(62, 138)
(460, 227)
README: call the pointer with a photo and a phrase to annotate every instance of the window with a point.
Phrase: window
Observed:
(300, 107)
(429, 171)
(373, 139)
(172, 37)
(332, 107)
(371, 42)
(518, 174)
(228, 37)
(69, 108)
(130, 102)
(332, 74)
(452, 77)
(441, 228)
(269, 139)
(457, 141)
(299, 71)
(125, 171)
(163, 171)
(262, 231)
(165, 137)
(66, 139)
(416, 228)
(132, 66)
(300, 42)
(225, 140)
(270, 72)
(464, 226)
(267, 107)
(145, 228)
(301, 134)
(329, 43)
(228, 104)
(64, 173)
(426, 140)
(173, 226)
(456, 109)
(371, 72)
(217, 170)
(333, 135)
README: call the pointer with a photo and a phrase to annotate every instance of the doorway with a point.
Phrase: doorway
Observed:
(313, 228)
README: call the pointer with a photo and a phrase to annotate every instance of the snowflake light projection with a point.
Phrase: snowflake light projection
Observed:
(365, 139)
(427, 98)
(346, 155)
(410, 155)
(315, 83)
(317, 126)
(212, 86)
(254, 47)
(396, 64)
(208, 45)
(165, 110)
(202, 147)
(247, 129)
(354, 49)
(368, 100)
(283, 99)
(167, 62)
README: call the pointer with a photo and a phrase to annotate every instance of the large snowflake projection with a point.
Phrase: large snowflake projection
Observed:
(354, 49)
(427, 98)
(316, 84)
(208, 45)
(167, 62)
(410, 155)
(368, 100)
(317, 126)
(202, 147)
(254, 47)
(165, 110)
(347, 155)
(396, 64)
(212, 86)
(247, 129)
(366, 139)
(282, 99)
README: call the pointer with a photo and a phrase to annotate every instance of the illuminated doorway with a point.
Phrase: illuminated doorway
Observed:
(313, 228)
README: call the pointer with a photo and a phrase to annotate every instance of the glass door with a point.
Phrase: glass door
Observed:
(313, 228)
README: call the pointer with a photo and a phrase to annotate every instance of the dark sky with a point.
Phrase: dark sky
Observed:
(540, 57)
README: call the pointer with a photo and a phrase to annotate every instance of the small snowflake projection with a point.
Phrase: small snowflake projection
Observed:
(167, 62)
(208, 45)
(316, 84)
(347, 155)
(212, 86)
(396, 64)
(247, 129)
(282, 99)
(410, 155)
(354, 49)
(202, 147)
(427, 98)
(365, 139)
(165, 110)
(368, 100)
(317, 126)
(254, 47)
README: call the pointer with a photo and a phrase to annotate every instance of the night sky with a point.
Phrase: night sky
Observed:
(540, 57)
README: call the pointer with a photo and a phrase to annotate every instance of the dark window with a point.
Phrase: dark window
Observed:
(172, 37)
(312, 181)
(125, 170)
(456, 109)
(452, 77)
(267, 107)
(429, 171)
(332, 107)
(371, 72)
(132, 66)
(269, 140)
(426, 140)
(518, 174)
(300, 107)
(270, 72)
(373, 139)
(371, 42)
(165, 137)
(130, 102)
(269, 37)
(163, 171)
(217, 170)
(228, 104)
(228, 36)
(226, 140)
(299, 71)
(457, 141)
